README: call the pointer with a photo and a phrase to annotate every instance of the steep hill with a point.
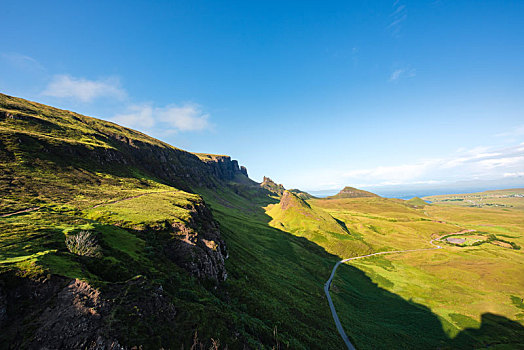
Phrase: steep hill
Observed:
(152, 268)
(296, 216)
(351, 192)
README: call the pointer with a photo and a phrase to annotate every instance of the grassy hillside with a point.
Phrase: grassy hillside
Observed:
(296, 216)
(467, 288)
(75, 174)
(426, 299)
(169, 226)
(302, 194)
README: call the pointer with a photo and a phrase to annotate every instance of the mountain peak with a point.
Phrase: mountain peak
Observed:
(290, 199)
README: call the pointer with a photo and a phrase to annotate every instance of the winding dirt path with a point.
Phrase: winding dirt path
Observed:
(19, 212)
(328, 284)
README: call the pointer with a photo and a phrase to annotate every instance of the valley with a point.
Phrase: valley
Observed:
(191, 252)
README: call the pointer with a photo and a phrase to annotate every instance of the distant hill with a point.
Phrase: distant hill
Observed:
(351, 192)
(296, 216)
(417, 202)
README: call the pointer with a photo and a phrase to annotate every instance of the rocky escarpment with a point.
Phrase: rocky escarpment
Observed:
(197, 245)
(60, 313)
(54, 135)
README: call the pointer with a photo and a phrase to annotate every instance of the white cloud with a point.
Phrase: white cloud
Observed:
(402, 73)
(172, 118)
(480, 163)
(140, 117)
(66, 86)
(188, 117)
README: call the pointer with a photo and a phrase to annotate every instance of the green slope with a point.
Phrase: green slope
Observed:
(141, 197)
(296, 216)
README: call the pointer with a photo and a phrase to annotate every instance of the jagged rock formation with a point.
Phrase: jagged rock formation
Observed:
(273, 187)
(223, 166)
(198, 246)
(351, 192)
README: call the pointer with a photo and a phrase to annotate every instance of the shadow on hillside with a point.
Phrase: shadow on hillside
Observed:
(375, 318)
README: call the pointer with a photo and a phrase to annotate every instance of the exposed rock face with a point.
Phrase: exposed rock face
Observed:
(76, 320)
(198, 246)
(60, 313)
(224, 168)
(271, 186)
(179, 168)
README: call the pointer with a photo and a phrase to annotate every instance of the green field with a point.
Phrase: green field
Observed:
(467, 293)
(511, 198)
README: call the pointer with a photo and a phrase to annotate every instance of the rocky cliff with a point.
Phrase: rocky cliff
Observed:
(67, 138)
(197, 245)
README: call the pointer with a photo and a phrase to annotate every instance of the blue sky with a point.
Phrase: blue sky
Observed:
(315, 94)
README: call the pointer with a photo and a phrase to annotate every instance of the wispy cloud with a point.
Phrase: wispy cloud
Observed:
(402, 73)
(21, 61)
(84, 90)
(481, 163)
(169, 119)
(397, 17)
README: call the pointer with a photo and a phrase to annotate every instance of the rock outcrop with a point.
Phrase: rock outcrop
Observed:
(272, 186)
(60, 313)
(197, 245)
